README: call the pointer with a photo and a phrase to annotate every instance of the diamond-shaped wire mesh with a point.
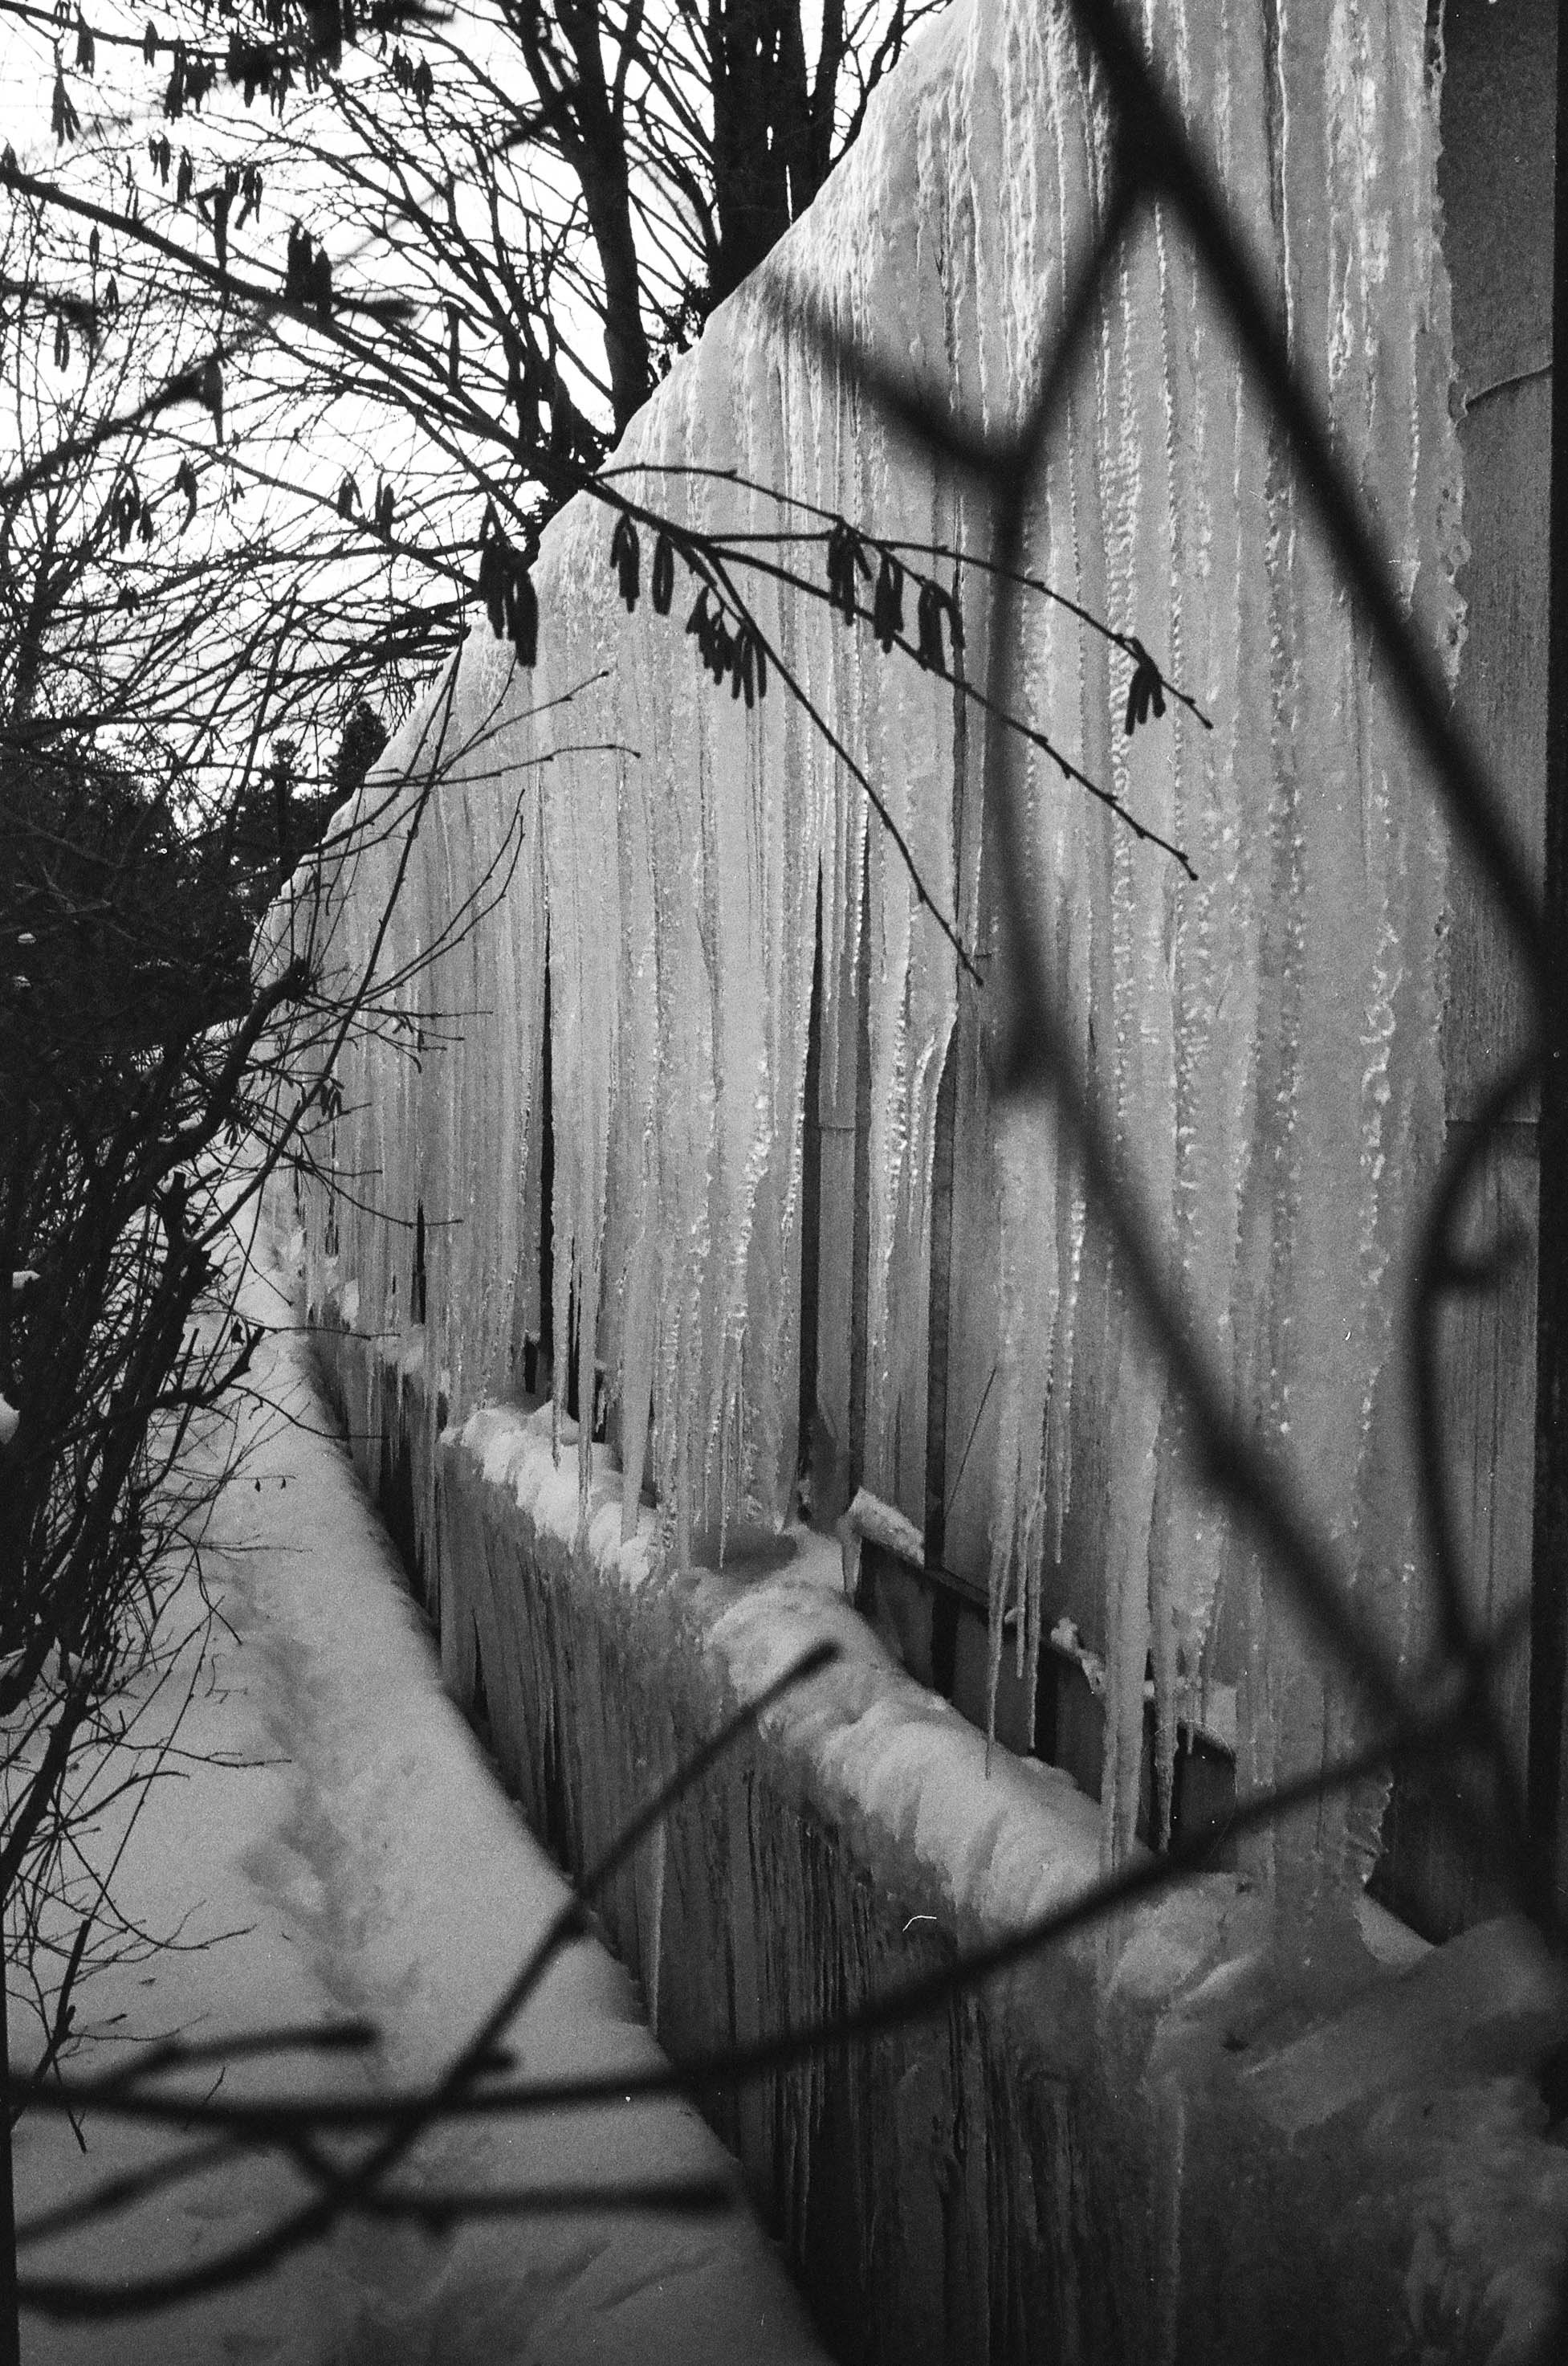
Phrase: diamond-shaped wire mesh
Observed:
(1447, 1702)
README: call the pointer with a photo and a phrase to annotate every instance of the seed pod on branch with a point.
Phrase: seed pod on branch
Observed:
(219, 202)
(63, 120)
(299, 267)
(886, 614)
(522, 614)
(662, 583)
(624, 558)
(707, 626)
(127, 508)
(928, 619)
(186, 482)
(846, 555)
(930, 609)
(495, 555)
(721, 649)
(330, 23)
(749, 667)
(175, 89)
(212, 392)
(1145, 689)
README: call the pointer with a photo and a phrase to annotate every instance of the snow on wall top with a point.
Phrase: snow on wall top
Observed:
(1265, 1037)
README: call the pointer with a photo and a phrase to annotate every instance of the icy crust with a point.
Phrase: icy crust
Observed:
(893, 1767)
(1363, 2146)
(896, 1761)
(876, 1750)
(516, 1451)
(1265, 1039)
(1005, 1838)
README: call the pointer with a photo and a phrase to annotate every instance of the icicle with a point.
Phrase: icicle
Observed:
(1261, 1040)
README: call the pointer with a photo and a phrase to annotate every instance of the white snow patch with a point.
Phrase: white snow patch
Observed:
(870, 1521)
(889, 1754)
(350, 1853)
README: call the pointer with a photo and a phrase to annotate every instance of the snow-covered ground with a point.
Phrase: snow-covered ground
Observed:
(361, 1859)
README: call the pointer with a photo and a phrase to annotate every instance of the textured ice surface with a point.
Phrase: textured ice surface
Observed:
(1263, 1041)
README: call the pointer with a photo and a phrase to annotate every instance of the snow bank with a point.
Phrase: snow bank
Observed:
(336, 1845)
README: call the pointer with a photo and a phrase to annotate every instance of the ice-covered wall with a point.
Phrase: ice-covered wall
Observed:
(1264, 1038)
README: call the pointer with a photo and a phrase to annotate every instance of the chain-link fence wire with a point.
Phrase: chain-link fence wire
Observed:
(1447, 1702)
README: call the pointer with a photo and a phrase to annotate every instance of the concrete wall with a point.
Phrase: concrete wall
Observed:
(1140, 2147)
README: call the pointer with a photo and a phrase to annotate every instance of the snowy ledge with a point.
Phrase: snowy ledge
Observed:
(1137, 2147)
(867, 1743)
